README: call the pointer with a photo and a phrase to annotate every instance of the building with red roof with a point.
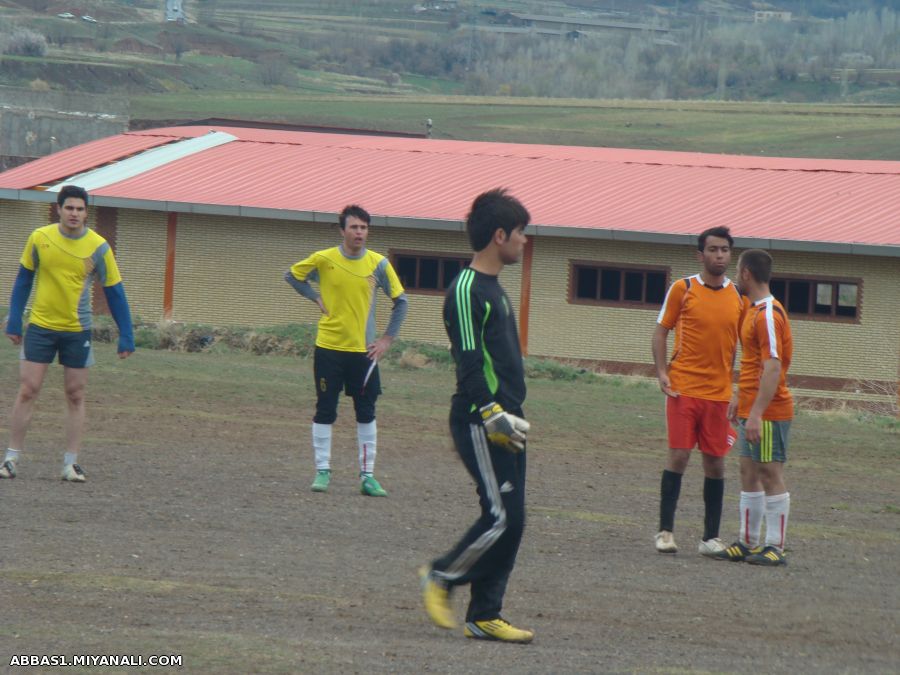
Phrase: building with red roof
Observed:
(206, 219)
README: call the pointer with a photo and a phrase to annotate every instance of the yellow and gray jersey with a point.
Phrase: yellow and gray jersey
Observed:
(348, 286)
(65, 269)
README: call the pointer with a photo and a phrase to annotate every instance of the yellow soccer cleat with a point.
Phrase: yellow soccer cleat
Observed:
(497, 629)
(437, 600)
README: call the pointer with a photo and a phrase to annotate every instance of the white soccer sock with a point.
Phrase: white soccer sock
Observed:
(11, 455)
(321, 439)
(367, 440)
(70, 458)
(752, 508)
(777, 509)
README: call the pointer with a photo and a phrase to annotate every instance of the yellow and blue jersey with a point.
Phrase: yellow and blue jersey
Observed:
(65, 269)
(347, 286)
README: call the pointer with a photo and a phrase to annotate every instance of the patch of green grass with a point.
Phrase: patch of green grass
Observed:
(231, 64)
(810, 130)
(433, 85)
(589, 516)
(809, 530)
(555, 370)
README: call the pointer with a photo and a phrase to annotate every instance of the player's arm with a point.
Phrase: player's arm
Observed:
(299, 277)
(665, 322)
(660, 348)
(733, 403)
(121, 314)
(390, 284)
(28, 265)
(768, 332)
(108, 273)
(19, 297)
(768, 385)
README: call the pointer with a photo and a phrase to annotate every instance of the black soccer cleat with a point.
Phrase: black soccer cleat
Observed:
(737, 552)
(768, 557)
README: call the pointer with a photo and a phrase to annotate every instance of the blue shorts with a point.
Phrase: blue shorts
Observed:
(41, 345)
(773, 441)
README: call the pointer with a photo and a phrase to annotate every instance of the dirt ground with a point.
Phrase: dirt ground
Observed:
(196, 535)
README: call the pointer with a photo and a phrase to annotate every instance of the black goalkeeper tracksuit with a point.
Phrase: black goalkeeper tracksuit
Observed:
(485, 346)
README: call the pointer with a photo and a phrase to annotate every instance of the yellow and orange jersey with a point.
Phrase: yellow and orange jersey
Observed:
(706, 320)
(64, 270)
(765, 334)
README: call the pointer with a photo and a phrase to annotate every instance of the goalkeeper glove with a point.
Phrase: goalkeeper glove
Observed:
(503, 428)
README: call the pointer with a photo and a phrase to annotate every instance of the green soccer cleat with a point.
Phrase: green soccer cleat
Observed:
(321, 481)
(8, 469)
(498, 630)
(436, 598)
(768, 557)
(737, 552)
(370, 487)
(73, 474)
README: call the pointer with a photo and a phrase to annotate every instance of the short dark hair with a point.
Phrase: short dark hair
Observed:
(721, 231)
(491, 210)
(355, 211)
(67, 191)
(758, 263)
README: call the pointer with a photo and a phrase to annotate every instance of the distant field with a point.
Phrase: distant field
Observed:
(802, 130)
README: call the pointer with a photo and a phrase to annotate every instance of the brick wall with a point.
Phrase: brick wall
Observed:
(141, 254)
(229, 271)
(17, 220)
(868, 350)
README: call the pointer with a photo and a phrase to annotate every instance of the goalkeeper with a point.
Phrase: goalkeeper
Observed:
(486, 423)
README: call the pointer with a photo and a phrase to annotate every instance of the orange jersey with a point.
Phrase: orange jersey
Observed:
(706, 320)
(765, 334)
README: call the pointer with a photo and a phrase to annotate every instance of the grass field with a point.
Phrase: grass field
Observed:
(196, 533)
(859, 132)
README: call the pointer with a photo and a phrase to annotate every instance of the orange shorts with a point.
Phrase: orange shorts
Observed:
(697, 422)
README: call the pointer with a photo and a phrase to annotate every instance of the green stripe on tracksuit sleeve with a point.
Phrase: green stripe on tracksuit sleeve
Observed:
(464, 309)
(489, 374)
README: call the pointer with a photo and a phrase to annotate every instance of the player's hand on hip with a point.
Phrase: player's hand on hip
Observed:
(124, 355)
(15, 339)
(322, 306)
(666, 386)
(503, 428)
(380, 347)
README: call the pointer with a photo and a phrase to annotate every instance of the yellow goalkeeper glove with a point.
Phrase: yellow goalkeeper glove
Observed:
(503, 428)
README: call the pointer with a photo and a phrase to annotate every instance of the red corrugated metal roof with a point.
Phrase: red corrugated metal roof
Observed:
(77, 159)
(840, 201)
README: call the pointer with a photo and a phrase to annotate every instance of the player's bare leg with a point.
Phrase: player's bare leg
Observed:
(31, 378)
(75, 383)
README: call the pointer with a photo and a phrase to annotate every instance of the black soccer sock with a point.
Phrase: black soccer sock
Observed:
(668, 500)
(713, 494)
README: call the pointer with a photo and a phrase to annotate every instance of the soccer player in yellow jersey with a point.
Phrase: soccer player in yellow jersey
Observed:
(347, 351)
(64, 258)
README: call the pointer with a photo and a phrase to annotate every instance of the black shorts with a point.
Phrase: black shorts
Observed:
(41, 345)
(336, 371)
